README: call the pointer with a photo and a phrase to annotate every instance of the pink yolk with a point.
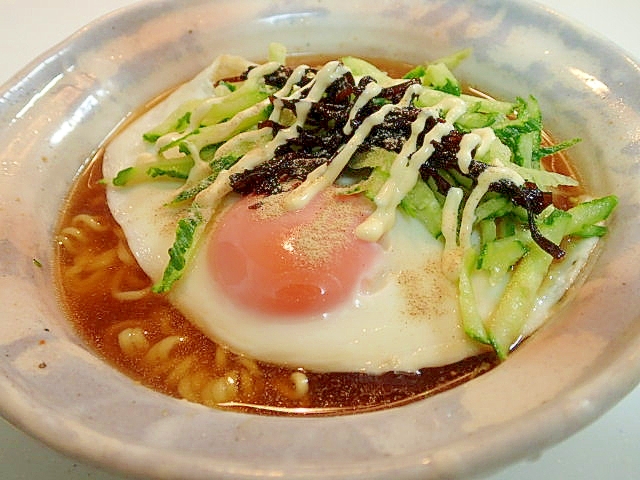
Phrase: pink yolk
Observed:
(291, 262)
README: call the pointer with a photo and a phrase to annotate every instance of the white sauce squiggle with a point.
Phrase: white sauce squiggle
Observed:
(404, 174)
(294, 78)
(212, 195)
(370, 91)
(405, 169)
(485, 179)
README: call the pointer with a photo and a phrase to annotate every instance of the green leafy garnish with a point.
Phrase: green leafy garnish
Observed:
(182, 249)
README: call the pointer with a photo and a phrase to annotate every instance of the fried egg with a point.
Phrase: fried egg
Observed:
(301, 290)
(297, 288)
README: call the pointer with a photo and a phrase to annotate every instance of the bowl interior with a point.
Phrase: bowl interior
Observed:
(63, 106)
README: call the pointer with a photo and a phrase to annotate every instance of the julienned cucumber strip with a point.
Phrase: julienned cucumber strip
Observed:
(221, 164)
(221, 132)
(361, 67)
(494, 207)
(250, 93)
(505, 324)
(223, 157)
(585, 215)
(488, 230)
(177, 121)
(439, 77)
(175, 168)
(472, 321)
(422, 204)
(227, 106)
(499, 255)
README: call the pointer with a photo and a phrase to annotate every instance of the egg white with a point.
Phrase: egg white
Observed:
(403, 317)
(143, 205)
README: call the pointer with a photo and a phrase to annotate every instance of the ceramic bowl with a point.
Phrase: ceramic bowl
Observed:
(58, 110)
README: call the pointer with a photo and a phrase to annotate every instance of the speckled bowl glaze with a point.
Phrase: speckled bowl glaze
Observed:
(58, 110)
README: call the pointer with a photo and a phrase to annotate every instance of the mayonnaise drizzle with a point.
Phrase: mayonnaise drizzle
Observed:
(468, 143)
(479, 140)
(286, 90)
(325, 175)
(316, 87)
(371, 90)
(405, 169)
(487, 137)
(485, 179)
(201, 111)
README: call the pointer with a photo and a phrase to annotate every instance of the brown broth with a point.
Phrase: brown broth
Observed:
(99, 319)
(196, 367)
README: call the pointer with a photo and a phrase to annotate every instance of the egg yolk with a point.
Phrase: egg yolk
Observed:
(291, 262)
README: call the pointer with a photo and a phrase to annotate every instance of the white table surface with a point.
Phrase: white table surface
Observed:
(609, 448)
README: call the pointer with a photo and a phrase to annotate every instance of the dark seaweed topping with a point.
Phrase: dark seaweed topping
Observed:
(322, 136)
(394, 131)
(269, 177)
(527, 196)
(280, 76)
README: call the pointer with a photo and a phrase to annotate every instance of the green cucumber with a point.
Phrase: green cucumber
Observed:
(499, 256)
(496, 206)
(472, 321)
(177, 121)
(251, 92)
(487, 229)
(584, 216)
(422, 203)
(505, 324)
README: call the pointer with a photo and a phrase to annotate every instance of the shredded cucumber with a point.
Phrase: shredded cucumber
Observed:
(363, 68)
(472, 321)
(500, 255)
(506, 323)
(204, 137)
(175, 168)
(422, 204)
(177, 121)
(585, 216)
